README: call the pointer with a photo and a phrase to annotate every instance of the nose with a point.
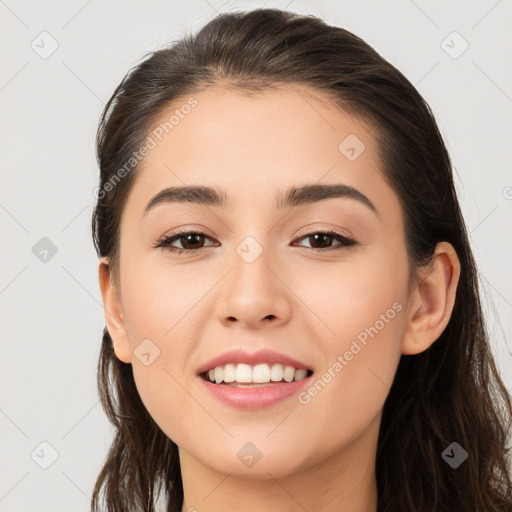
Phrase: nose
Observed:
(254, 295)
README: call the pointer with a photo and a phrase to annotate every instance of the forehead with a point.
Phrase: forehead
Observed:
(257, 145)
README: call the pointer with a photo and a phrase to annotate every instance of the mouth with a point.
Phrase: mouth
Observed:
(253, 380)
(259, 375)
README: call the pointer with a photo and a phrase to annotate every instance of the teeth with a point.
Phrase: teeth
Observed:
(289, 374)
(276, 373)
(261, 373)
(229, 373)
(258, 374)
(243, 373)
(300, 374)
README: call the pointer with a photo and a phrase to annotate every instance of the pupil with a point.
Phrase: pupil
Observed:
(322, 236)
(193, 236)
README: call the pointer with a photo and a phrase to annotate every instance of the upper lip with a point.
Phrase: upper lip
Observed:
(252, 358)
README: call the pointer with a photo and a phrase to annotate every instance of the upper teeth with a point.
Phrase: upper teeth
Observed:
(259, 373)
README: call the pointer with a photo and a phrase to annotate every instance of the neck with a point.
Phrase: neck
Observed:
(345, 481)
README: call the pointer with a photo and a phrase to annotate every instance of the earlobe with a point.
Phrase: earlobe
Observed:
(114, 318)
(432, 301)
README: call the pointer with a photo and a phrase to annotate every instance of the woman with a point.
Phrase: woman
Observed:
(292, 310)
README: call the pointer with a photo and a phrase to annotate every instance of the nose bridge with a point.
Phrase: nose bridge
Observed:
(251, 261)
(254, 241)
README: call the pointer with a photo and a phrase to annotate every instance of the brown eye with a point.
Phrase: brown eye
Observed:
(190, 241)
(321, 240)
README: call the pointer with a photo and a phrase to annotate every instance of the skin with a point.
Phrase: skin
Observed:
(319, 455)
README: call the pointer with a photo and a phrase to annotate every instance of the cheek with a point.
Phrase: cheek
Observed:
(349, 392)
(364, 310)
(362, 298)
(157, 382)
(157, 299)
(158, 308)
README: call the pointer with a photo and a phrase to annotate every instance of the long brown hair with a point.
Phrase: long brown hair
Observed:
(452, 392)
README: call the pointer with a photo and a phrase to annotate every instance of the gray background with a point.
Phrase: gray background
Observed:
(52, 316)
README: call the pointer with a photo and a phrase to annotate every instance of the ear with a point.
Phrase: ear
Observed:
(114, 318)
(432, 301)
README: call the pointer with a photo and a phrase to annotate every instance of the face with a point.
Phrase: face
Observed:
(265, 279)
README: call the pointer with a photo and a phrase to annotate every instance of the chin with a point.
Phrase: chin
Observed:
(259, 459)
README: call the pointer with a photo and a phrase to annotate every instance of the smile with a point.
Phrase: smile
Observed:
(251, 375)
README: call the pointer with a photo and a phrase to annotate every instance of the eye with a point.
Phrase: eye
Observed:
(325, 237)
(191, 241)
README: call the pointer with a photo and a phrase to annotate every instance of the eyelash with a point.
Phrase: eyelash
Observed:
(165, 242)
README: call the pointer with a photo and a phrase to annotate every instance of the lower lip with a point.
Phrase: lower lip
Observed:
(258, 397)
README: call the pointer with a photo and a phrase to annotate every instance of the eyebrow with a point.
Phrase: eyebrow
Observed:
(294, 196)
